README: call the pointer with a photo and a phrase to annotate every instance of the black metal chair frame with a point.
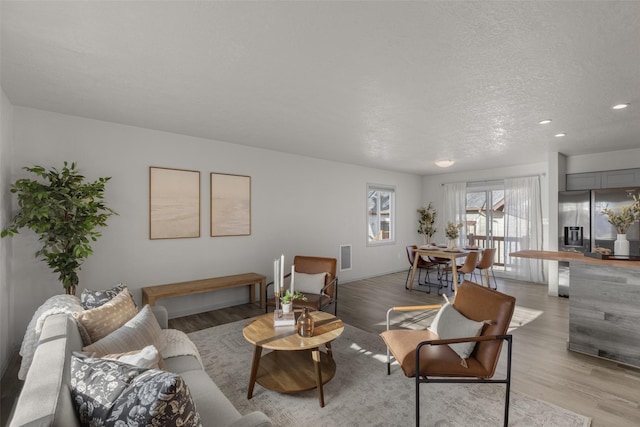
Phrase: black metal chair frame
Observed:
(334, 301)
(425, 379)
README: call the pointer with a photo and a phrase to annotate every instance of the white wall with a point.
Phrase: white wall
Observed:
(299, 206)
(6, 313)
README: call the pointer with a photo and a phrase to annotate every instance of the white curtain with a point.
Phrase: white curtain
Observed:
(454, 209)
(523, 227)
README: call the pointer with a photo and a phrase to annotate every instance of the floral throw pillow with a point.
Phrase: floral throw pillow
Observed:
(93, 299)
(111, 393)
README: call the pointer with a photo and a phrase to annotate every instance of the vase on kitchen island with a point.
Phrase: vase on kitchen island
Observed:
(621, 245)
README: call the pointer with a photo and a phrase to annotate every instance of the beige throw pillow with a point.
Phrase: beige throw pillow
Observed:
(309, 283)
(99, 322)
(137, 333)
(149, 357)
(450, 323)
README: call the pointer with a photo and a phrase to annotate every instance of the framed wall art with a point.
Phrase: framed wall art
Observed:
(230, 205)
(174, 203)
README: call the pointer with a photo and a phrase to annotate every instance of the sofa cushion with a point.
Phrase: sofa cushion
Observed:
(182, 364)
(93, 299)
(449, 323)
(99, 322)
(137, 333)
(112, 393)
(213, 406)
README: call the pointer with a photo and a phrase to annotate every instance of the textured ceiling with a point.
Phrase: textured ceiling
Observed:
(392, 85)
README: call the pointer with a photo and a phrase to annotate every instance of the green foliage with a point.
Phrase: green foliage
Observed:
(452, 231)
(289, 297)
(64, 212)
(427, 220)
(625, 218)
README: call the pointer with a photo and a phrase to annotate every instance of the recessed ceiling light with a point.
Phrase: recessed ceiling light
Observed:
(559, 135)
(620, 106)
(544, 122)
(444, 163)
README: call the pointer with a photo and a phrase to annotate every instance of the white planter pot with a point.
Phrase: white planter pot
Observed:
(286, 308)
(621, 245)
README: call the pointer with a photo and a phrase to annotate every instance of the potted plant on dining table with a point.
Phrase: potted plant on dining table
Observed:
(452, 232)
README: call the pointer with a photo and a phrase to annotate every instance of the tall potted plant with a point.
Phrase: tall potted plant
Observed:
(65, 212)
(426, 222)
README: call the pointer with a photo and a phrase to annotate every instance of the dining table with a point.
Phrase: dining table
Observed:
(438, 252)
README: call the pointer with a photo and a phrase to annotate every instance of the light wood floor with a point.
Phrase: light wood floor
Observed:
(542, 366)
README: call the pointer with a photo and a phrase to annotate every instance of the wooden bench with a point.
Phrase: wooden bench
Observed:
(152, 293)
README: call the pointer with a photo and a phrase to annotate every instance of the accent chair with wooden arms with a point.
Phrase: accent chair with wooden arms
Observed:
(316, 278)
(430, 357)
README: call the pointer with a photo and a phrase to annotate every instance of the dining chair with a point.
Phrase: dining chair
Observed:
(441, 265)
(315, 277)
(486, 264)
(434, 356)
(422, 265)
(468, 267)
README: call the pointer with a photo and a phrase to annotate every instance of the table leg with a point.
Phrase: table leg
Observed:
(413, 271)
(252, 293)
(486, 274)
(263, 296)
(454, 271)
(316, 361)
(257, 352)
(329, 352)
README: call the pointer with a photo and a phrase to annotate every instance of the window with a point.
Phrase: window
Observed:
(380, 214)
(485, 217)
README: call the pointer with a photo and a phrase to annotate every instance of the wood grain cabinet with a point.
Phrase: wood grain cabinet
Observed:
(604, 312)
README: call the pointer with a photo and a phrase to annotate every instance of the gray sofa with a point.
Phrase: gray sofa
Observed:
(45, 399)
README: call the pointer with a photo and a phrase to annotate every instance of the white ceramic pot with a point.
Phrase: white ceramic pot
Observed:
(621, 245)
(286, 308)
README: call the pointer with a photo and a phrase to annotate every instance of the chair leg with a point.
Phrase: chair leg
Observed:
(417, 401)
(335, 298)
(508, 381)
(494, 279)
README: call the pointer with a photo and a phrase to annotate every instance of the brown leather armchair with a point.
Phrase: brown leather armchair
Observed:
(315, 301)
(423, 355)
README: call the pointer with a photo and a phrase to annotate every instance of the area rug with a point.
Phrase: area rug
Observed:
(362, 394)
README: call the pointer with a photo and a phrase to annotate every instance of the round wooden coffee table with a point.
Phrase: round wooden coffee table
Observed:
(296, 363)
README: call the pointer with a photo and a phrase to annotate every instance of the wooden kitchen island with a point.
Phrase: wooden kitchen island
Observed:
(604, 306)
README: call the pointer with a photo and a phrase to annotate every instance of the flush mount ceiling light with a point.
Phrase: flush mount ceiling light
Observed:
(560, 135)
(620, 106)
(444, 163)
(544, 122)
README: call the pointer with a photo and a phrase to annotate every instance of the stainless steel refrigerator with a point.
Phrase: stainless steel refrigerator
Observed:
(574, 223)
